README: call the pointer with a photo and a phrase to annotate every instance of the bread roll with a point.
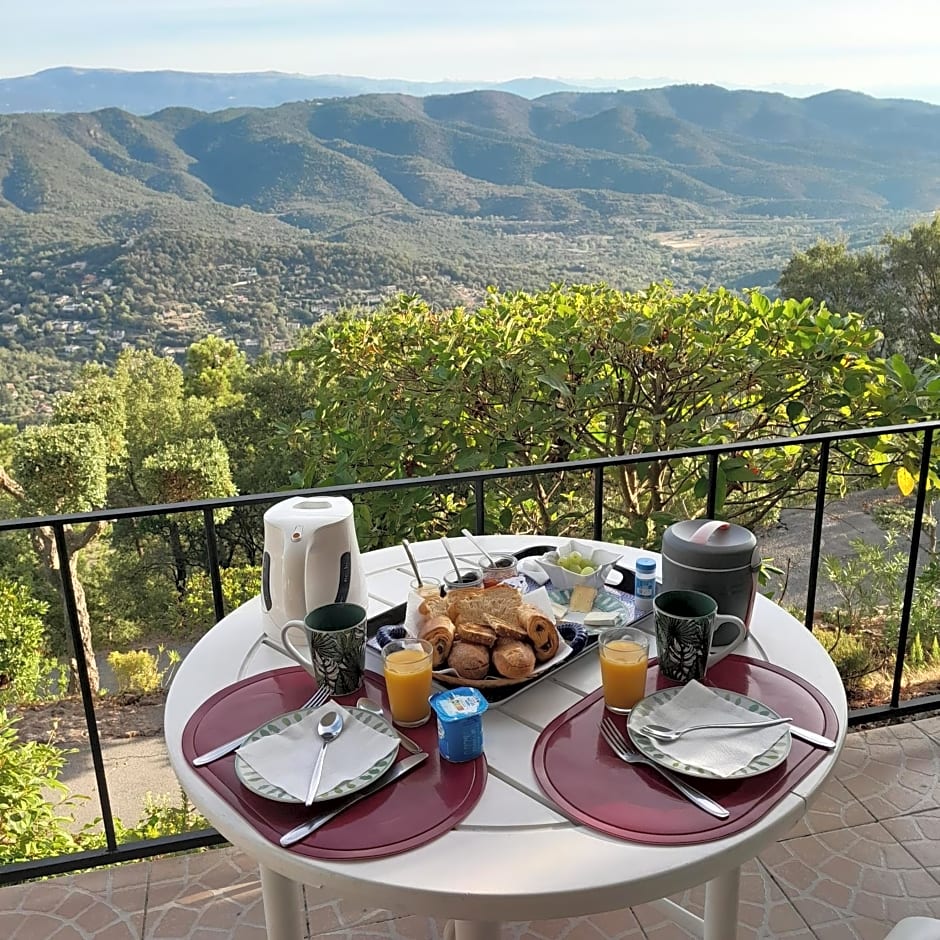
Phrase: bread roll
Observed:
(469, 660)
(439, 632)
(513, 659)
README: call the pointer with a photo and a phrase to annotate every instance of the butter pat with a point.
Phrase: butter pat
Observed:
(600, 618)
(559, 610)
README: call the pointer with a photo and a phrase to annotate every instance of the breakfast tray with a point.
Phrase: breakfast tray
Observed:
(497, 691)
(632, 802)
(430, 801)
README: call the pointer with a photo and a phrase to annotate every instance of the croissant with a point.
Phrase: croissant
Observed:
(541, 631)
(439, 632)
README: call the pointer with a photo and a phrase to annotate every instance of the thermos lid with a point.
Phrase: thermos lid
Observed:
(710, 544)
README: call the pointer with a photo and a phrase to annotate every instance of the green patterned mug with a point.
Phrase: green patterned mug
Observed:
(685, 626)
(336, 638)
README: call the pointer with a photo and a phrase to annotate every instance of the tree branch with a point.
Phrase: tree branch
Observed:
(9, 485)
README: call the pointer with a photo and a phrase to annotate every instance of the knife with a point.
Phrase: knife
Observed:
(812, 737)
(221, 750)
(402, 767)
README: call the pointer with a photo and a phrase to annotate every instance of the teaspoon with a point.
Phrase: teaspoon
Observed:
(661, 733)
(329, 728)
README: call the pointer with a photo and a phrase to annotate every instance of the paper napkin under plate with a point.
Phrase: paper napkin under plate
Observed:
(720, 751)
(286, 759)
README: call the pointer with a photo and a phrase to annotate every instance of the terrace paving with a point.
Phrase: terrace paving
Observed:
(866, 855)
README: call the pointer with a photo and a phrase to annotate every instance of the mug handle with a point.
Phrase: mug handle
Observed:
(292, 650)
(714, 655)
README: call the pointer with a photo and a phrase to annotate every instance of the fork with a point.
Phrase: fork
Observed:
(320, 697)
(626, 752)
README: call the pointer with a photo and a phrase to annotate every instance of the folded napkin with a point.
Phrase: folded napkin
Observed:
(286, 759)
(720, 751)
(532, 569)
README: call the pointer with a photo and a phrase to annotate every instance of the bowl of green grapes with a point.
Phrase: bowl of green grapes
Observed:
(576, 563)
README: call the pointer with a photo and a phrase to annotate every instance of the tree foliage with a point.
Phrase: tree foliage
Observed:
(895, 287)
(575, 373)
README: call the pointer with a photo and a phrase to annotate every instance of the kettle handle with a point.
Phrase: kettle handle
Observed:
(706, 531)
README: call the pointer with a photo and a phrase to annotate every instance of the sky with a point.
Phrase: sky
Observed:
(882, 47)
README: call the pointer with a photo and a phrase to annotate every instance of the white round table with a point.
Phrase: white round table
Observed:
(514, 858)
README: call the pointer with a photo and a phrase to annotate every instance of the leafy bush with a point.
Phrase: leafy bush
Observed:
(34, 805)
(852, 655)
(21, 641)
(239, 584)
(135, 671)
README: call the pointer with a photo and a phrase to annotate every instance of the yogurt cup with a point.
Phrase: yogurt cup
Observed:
(459, 723)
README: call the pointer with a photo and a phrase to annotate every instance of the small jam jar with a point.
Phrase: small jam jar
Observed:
(503, 567)
(429, 587)
(459, 723)
(469, 578)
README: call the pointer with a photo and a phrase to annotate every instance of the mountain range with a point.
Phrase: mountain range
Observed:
(478, 154)
(73, 89)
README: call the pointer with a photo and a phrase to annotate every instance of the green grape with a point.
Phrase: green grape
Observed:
(587, 569)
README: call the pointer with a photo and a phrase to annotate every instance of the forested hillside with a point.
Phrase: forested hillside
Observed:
(118, 230)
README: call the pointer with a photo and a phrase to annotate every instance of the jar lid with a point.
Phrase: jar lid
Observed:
(646, 565)
(707, 543)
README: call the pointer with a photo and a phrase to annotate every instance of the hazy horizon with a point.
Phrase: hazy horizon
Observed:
(879, 49)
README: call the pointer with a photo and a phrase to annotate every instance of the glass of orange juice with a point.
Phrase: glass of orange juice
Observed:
(624, 656)
(407, 667)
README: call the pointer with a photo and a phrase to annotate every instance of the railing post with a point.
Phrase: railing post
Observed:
(212, 557)
(912, 559)
(712, 485)
(816, 546)
(88, 702)
(479, 508)
(599, 503)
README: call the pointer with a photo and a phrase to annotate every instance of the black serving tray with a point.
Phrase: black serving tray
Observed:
(500, 694)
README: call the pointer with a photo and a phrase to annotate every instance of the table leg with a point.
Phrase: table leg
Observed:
(283, 906)
(721, 906)
(477, 930)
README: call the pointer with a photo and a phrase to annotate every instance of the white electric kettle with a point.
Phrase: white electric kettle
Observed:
(311, 558)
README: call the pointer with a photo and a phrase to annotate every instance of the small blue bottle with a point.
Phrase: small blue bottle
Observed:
(645, 585)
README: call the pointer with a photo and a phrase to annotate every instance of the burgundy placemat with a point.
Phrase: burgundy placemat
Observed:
(430, 801)
(577, 769)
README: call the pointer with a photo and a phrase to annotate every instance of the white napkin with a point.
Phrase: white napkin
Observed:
(720, 751)
(532, 569)
(286, 759)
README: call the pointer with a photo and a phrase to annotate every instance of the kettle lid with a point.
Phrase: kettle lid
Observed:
(709, 543)
(314, 509)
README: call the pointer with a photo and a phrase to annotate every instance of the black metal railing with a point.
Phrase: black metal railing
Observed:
(477, 481)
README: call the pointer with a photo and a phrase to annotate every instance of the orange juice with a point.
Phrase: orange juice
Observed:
(623, 671)
(408, 680)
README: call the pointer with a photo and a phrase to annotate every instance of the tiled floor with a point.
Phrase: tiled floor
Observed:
(867, 855)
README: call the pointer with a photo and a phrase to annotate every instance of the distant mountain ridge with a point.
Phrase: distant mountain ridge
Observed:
(484, 153)
(67, 89)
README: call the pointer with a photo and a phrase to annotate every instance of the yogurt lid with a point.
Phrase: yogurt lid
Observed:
(457, 704)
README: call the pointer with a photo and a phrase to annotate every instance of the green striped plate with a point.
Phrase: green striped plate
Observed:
(644, 713)
(257, 784)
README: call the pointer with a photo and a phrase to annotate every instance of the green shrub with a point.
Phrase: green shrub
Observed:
(135, 672)
(852, 655)
(35, 807)
(239, 584)
(21, 641)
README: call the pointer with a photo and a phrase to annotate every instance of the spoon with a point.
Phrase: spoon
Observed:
(450, 555)
(329, 727)
(414, 565)
(661, 733)
(467, 534)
